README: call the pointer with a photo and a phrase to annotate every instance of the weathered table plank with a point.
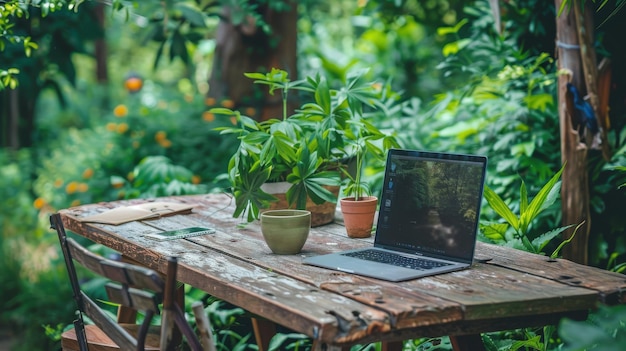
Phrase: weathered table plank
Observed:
(611, 286)
(505, 289)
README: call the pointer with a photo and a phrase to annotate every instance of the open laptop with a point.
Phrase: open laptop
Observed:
(428, 218)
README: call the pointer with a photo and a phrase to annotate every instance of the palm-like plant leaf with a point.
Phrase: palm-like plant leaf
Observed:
(498, 205)
(247, 191)
(539, 202)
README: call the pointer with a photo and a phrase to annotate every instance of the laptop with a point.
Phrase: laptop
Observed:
(427, 221)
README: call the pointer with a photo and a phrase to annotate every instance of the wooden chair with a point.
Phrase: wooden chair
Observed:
(131, 286)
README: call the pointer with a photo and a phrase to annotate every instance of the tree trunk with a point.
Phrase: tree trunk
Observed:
(575, 54)
(245, 48)
(11, 135)
(102, 73)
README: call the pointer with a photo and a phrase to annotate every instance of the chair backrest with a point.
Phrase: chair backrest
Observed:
(132, 286)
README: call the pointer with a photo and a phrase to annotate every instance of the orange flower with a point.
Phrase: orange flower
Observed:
(209, 101)
(250, 111)
(58, 183)
(71, 187)
(88, 173)
(82, 187)
(165, 143)
(39, 203)
(133, 84)
(228, 103)
(111, 126)
(160, 136)
(75, 203)
(122, 128)
(117, 185)
(120, 111)
(208, 116)
(195, 179)
(233, 120)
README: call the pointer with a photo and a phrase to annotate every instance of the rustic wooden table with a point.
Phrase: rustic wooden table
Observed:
(504, 289)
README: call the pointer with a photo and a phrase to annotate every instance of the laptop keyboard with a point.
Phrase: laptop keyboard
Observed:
(396, 260)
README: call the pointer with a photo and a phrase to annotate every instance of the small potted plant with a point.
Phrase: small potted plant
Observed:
(363, 141)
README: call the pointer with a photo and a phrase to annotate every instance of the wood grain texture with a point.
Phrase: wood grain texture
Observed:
(507, 289)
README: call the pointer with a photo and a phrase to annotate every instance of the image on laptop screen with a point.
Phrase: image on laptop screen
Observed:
(430, 204)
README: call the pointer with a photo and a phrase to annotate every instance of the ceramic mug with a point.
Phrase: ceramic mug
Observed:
(285, 231)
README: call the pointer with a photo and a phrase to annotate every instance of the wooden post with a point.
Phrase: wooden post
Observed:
(574, 152)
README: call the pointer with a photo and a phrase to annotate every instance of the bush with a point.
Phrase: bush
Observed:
(30, 274)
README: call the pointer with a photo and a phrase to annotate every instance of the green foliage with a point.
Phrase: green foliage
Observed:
(521, 224)
(541, 339)
(278, 79)
(106, 160)
(363, 139)
(608, 245)
(504, 109)
(177, 27)
(36, 34)
(28, 277)
(338, 37)
(604, 330)
(18, 225)
(156, 176)
(39, 56)
(8, 78)
(227, 324)
(11, 12)
(289, 341)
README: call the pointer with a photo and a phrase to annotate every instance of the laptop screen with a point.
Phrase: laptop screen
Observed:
(430, 203)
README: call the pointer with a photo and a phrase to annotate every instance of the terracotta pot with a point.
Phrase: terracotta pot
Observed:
(285, 231)
(321, 214)
(358, 216)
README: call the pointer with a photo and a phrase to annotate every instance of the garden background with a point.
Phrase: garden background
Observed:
(110, 100)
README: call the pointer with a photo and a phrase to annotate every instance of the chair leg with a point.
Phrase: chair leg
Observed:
(204, 326)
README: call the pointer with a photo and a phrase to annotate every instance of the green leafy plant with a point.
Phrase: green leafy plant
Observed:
(540, 339)
(279, 149)
(156, 176)
(604, 330)
(308, 148)
(363, 138)
(515, 232)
